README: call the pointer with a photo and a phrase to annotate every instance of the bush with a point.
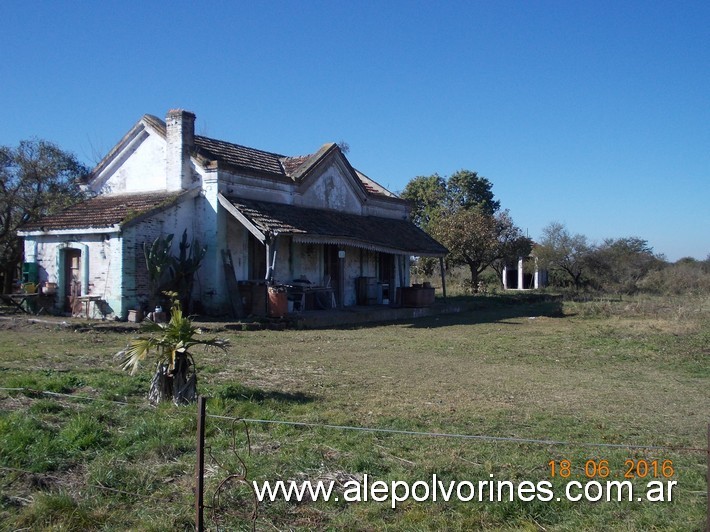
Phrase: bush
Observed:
(680, 278)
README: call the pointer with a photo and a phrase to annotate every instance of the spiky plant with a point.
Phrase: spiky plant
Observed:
(157, 261)
(175, 376)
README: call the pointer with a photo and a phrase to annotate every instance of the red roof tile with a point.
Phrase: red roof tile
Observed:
(103, 211)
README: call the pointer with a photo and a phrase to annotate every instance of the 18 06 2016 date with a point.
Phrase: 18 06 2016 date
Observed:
(632, 469)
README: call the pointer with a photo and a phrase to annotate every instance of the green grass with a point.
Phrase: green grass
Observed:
(628, 371)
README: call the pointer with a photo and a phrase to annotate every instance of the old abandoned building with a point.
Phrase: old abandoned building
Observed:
(312, 221)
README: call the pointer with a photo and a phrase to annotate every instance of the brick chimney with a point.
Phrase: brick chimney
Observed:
(180, 136)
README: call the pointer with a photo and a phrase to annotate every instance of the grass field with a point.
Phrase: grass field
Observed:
(632, 372)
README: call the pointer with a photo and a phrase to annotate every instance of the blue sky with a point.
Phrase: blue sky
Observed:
(594, 114)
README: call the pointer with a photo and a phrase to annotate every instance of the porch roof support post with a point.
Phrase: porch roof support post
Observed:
(270, 243)
(341, 278)
(401, 260)
(443, 276)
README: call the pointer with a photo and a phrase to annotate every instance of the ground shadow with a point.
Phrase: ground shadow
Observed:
(498, 308)
(467, 310)
(239, 392)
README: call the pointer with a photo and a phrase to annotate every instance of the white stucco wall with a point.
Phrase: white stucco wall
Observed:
(100, 270)
(139, 169)
(174, 220)
(238, 244)
(330, 190)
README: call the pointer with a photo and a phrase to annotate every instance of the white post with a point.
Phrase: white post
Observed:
(520, 273)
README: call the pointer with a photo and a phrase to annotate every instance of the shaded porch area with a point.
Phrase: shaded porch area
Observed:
(303, 260)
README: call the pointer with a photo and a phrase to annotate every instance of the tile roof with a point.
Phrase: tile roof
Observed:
(291, 164)
(335, 227)
(240, 156)
(104, 211)
(273, 164)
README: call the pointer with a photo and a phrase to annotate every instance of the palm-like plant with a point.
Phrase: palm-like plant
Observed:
(175, 377)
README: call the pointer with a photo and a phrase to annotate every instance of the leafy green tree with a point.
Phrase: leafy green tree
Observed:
(477, 239)
(466, 190)
(512, 245)
(175, 377)
(562, 252)
(686, 276)
(37, 178)
(462, 213)
(619, 265)
(427, 198)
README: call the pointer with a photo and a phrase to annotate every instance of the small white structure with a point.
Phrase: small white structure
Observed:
(525, 276)
(282, 218)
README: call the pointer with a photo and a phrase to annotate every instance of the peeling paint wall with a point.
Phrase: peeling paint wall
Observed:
(238, 244)
(307, 261)
(330, 190)
(175, 220)
(141, 170)
(101, 253)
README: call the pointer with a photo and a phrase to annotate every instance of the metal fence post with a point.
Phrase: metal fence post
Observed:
(200, 467)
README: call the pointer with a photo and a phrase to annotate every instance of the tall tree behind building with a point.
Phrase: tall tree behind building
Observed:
(37, 178)
(463, 214)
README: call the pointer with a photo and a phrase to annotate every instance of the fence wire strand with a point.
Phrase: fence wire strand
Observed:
(384, 430)
(453, 435)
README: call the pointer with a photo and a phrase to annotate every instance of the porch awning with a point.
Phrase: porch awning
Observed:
(319, 226)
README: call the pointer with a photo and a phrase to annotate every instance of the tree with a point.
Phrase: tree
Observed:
(427, 198)
(563, 252)
(157, 261)
(618, 265)
(466, 190)
(37, 178)
(171, 273)
(184, 266)
(462, 213)
(175, 376)
(477, 239)
(512, 245)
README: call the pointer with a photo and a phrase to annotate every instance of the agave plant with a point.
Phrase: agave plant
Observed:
(175, 376)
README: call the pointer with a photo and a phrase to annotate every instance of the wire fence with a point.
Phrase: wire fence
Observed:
(240, 476)
(385, 430)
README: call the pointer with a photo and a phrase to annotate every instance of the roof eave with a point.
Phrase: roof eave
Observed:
(189, 193)
(116, 228)
(154, 122)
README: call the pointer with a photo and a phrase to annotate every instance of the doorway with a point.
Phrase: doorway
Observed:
(332, 269)
(72, 279)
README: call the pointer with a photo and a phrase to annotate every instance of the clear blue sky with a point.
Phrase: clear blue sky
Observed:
(595, 114)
